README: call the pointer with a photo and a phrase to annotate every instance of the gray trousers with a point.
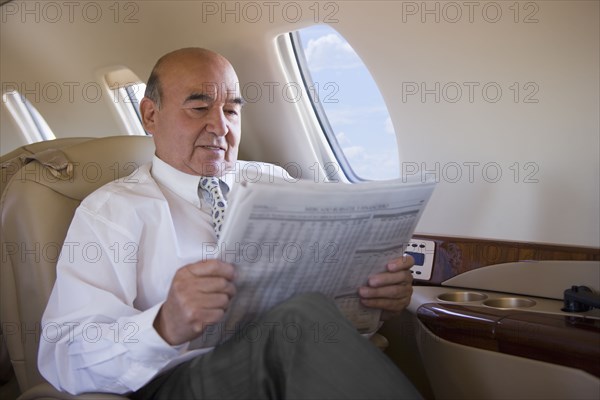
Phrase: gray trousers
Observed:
(302, 349)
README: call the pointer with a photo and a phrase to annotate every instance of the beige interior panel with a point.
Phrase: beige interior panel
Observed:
(462, 372)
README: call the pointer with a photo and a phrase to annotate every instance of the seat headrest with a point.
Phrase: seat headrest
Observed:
(78, 170)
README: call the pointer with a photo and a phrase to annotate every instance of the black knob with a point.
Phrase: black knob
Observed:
(579, 299)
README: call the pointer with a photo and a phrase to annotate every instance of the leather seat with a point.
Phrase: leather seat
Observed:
(42, 185)
(10, 163)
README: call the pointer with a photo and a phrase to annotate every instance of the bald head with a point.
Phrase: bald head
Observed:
(192, 108)
(170, 62)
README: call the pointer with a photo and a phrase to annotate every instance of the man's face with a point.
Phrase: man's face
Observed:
(197, 128)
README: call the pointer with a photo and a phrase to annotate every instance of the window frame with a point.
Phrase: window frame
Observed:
(28, 119)
(319, 111)
(118, 83)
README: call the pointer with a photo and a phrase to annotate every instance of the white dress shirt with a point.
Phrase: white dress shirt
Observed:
(125, 243)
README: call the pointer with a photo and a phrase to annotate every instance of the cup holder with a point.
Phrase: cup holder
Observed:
(509, 302)
(462, 297)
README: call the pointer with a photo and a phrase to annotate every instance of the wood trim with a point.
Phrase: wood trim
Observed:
(557, 339)
(454, 255)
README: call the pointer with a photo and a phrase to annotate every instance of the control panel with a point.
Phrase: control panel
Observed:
(423, 252)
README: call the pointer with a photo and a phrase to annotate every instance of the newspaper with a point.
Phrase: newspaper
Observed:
(287, 238)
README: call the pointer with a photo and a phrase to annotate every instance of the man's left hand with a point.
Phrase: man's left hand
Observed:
(391, 290)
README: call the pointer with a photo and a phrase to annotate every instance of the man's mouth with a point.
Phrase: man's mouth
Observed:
(212, 147)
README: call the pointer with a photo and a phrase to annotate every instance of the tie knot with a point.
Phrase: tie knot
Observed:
(209, 182)
(212, 186)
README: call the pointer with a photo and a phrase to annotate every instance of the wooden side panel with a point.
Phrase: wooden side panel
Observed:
(455, 256)
(562, 340)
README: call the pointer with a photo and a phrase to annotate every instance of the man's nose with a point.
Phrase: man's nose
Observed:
(217, 122)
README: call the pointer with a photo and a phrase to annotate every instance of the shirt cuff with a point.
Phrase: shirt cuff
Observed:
(149, 352)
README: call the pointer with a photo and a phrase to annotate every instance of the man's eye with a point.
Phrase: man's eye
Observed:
(232, 112)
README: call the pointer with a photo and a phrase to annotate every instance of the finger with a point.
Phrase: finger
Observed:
(200, 308)
(404, 263)
(389, 292)
(214, 285)
(204, 302)
(392, 305)
(211, 268)
(180, 322)
(403, 277)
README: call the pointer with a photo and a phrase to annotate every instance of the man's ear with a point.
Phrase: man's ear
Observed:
(148, 111)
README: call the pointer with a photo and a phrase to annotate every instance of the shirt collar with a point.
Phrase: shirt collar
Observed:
(227, 180)
(182, 184)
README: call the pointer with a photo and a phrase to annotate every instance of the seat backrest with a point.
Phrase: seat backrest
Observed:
(36, 207)
(10, 163)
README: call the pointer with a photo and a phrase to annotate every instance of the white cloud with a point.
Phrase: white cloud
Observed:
(345, 116)
(351, 115)
(330, 51)
(353, 151)
(380, 166)
(342, 138)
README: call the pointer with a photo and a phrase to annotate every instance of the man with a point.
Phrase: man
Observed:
(127, 321)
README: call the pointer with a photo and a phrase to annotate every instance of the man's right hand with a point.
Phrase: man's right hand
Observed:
(199, 296)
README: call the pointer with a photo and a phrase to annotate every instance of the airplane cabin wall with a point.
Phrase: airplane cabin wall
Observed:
(502, 109)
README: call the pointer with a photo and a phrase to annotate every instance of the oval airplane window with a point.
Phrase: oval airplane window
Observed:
(350, 108)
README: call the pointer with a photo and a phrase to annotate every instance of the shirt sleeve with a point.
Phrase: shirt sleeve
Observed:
(93, 339)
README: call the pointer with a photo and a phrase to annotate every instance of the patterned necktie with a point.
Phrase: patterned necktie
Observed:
(217, 201)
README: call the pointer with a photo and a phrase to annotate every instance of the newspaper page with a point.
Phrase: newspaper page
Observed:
(287, 238)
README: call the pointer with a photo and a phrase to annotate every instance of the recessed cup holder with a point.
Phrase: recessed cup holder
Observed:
(462, 297)
(509, 302)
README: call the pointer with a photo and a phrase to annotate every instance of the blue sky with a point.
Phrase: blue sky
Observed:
(359, 119)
